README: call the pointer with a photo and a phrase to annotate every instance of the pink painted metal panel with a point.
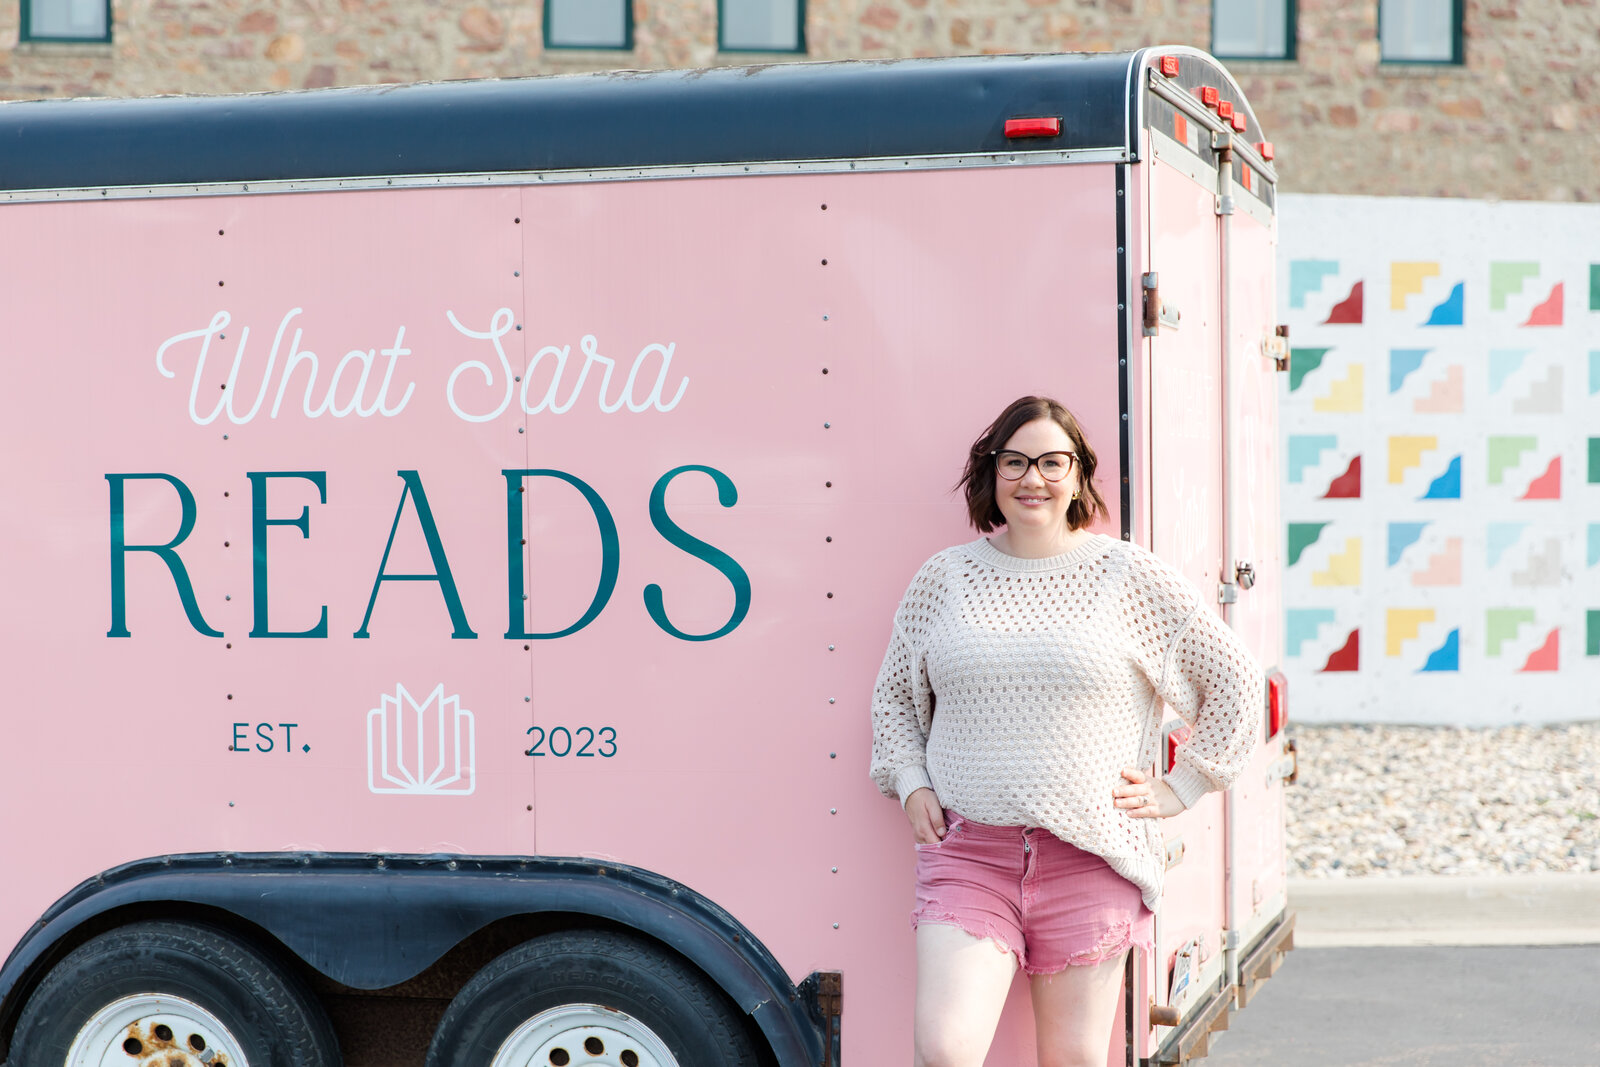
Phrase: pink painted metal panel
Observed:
(1259, 883)
(945, 294)
(183, 742)
(748, 745)
(1186, 513)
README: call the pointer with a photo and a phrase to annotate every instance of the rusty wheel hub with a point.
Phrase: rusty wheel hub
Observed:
(154, 1030)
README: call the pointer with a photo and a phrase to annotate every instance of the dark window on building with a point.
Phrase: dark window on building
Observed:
(588, 24)
(1420, 31)
(66, 20)
(1252, 29)
(761, 25)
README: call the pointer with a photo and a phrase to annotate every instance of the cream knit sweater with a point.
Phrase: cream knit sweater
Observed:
(1047, 676)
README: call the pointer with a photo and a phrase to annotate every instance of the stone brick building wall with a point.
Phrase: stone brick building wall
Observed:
(1520, 120)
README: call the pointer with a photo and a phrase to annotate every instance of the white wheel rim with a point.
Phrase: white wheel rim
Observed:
(583, 1035)
(154, 1028)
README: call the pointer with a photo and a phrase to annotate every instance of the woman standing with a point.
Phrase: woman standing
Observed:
(1018, 701)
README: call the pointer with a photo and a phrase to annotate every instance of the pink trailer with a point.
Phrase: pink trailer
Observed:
(452, 532)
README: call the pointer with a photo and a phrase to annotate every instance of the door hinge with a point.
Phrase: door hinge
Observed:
(1157, 313)
(1276, 348)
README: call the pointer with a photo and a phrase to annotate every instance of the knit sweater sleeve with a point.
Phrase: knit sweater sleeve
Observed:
(902, 700)
(1200, 667)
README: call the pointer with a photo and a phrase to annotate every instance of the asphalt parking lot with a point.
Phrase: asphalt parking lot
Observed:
(1487, 1006)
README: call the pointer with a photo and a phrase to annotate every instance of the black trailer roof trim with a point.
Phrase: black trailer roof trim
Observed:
(1191, 106)
(1197, 68)
(557, 177)
(920, 108)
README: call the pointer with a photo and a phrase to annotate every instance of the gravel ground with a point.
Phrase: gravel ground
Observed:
(1393, 800)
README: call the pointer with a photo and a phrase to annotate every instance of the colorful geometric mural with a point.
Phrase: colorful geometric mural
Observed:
(1452, 348)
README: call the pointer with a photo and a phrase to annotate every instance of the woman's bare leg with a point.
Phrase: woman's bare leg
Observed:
(962, 982)
(1074, 1011)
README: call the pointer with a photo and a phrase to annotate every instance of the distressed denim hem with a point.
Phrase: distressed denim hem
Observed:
(981, 931)
(1116, 940)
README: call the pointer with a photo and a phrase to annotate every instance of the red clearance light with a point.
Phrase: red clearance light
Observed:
(1209, 96)
(1225, 109)
(1033, 127)
(1179, 735)
(1169, 66)
(1277, 702)
(1239, 122)
(1265, 148)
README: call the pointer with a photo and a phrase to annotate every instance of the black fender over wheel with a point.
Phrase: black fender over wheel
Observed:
(591, 997)
(186, 993)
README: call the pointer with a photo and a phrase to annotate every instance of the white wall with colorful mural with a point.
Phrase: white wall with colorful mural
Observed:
(1441, 424)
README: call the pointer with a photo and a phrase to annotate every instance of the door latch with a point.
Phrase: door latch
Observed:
(1245, 575)
(1286, 768)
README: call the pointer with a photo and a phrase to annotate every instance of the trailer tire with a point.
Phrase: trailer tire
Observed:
(173, 988)
(614, 998)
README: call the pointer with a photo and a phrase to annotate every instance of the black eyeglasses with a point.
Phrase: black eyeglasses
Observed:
(1053, 466)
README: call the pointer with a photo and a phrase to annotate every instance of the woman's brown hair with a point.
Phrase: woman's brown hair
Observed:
(977, 481)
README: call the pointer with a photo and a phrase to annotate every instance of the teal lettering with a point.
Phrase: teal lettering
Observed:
(258, 538)
(654, 602)
(516, 582)
(167, 553)
(441, 565)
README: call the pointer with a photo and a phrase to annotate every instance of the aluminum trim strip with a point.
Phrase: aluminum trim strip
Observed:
(822, 166)
(1133, 106)
(1182, 160)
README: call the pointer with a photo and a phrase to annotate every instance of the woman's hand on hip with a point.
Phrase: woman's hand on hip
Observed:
(1142, 798)
(927, 817)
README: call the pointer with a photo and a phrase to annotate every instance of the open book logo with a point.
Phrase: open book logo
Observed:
(425, 748)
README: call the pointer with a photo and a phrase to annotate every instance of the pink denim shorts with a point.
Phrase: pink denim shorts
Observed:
(1052, 904)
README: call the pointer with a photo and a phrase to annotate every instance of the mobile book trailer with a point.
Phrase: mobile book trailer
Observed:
(452, 532)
